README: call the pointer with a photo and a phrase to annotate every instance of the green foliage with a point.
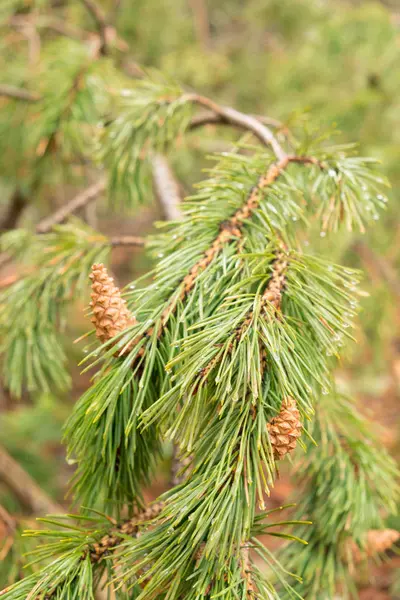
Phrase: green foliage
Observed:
(114, 459)
(33, 308)
(146, 116)
(209, 362)
(349, 484)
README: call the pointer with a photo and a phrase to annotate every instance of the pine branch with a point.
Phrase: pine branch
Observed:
(15, 208)
(212, 118)
(126, 240)
(378, 265)
(24, 487)
(77, 203)
(106, 30)
(10, 91)
(229, 229)
(166, 188)
(243, 121)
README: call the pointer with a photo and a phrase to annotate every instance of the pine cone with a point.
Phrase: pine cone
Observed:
(377, 541)
(110, 314)
(284, 429)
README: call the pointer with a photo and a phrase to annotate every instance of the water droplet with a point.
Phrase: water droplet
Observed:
(323, 234)
(346, 325)
(174, 236)
(330, 268)
(132, 287)
(86, 351)
(126, 93)
(332, 173)
(375, 217)
(202, 208)
(160, 255)
(295, 219)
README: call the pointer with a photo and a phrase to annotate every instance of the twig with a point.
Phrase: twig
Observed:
(201, 22)
(106, 31)
(242, 120)
(210, 118)
(78, 202)
(127, 240)
(166, 188)
(24, 487)
(15, 208)
(10, 91)
(7, 519)
(377, 265)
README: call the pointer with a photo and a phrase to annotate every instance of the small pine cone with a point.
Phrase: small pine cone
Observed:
(380, 540)
(110, 314)
(284, 429)
(377, 541)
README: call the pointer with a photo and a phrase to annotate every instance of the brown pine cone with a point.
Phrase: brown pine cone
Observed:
(110, 314)
(284, 429)
(377, 541)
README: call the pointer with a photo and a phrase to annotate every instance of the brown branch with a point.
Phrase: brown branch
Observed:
(201, 22)
(229, 230)
(166, 188)
(106, 31)
(15, 208)
(378, 266)
(246, 571)
(272, 296)
(28, 492)
(78, 202)
(130, 527)
(242, 120)
(10, 91)
(127, 240)
(210, 118)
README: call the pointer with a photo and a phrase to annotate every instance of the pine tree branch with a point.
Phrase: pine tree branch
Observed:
(24, 487)
(241, 120)
(107, 31)
(14, 210)
(10, 91)
(130, 527)
(127, 240)
(378, 265)
(201, 22)
(229, 229)
(166, 188)
(7, 519)
(78, 202)
(210, 118)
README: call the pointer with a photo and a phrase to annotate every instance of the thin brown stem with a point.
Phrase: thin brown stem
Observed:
(78, 202)
(14, 210)
(243, 121)
(201, 22)
(127, 240)
(378, 266)
(10, 91)
(106, 30)
(28, 492)
(210, 118)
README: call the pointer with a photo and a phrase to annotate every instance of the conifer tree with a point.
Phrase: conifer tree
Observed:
(225, 349)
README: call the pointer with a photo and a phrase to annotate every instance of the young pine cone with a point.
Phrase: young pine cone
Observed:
(284, 429)
(377, 542)
(110, 314)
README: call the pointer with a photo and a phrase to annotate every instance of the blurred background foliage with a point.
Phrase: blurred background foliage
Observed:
(311, 64)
